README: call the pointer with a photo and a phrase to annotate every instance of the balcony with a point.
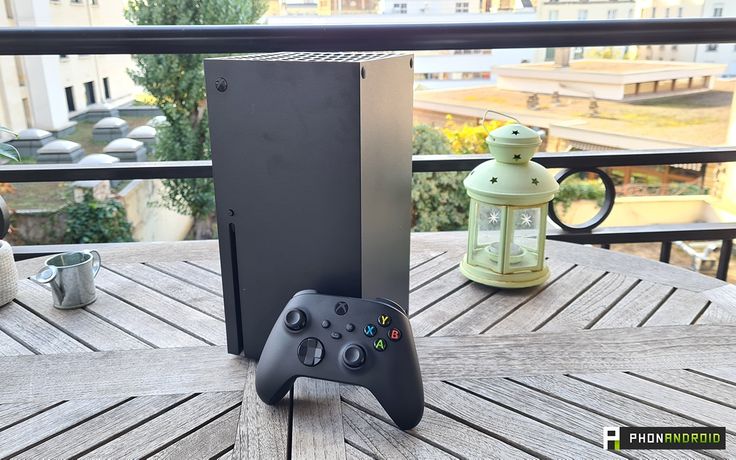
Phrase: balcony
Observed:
(143, 372)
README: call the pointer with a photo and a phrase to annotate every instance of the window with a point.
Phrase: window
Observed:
(612, 14)
(8, 9)
(462, 7)
(582, 15)
(76, 2)
(674, 47)
(93, 2)
(631, 13)
(667, 12)
(27, 111)
(553, 15)
(400, 8)
(679, 12)
(718, 10)
(106, 87)
(20, 70)
(70, 99)
(89, 92)
(549, 54)
(712, 47)
(654, 11)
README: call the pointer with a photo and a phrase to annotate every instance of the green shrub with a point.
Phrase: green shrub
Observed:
(439, 199)
(574, 189)
(93, 221)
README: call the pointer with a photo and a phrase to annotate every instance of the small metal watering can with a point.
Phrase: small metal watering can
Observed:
(71, 276)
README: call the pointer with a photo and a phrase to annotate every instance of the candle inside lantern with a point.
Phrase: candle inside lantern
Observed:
(517, 252)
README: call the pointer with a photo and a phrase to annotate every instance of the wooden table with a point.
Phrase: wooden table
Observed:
(143, 372)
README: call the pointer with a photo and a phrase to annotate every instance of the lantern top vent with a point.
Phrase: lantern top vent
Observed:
(514, 143)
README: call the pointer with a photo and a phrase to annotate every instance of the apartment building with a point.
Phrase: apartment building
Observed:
(425, 7)
(48, 91)
(712, 53)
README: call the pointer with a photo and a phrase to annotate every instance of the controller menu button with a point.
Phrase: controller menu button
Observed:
(325, 324)
(353, 356)
(350, 327)
(384, 320)
(336, 335)
(380, 344)
(311, 352)
(295, 319)
(369, 330)
(341, 308)
(394, 334)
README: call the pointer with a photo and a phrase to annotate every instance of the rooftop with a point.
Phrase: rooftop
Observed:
(617, 67)
(705, 122)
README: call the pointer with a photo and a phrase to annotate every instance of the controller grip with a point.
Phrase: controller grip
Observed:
(272, 383)
(403, 401)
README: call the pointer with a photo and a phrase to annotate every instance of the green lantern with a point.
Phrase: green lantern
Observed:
(509, 196)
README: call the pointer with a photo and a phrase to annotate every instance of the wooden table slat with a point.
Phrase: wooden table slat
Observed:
(186, 293)
(439, 429)
(35, 333)
(682, 307)
(635, 306)
(101, 428)
(194, 274)
(316, 427)
(207, 441)
(168, 427)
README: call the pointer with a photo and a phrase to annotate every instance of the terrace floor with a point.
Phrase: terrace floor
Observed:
(609, 340)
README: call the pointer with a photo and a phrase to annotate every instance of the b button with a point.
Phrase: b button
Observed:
(394, 334)
(384, 320)
(380, 344)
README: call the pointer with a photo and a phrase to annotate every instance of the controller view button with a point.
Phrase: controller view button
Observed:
(380, 344)
(341, 308)
(384, 320)
(336, 335)
(295, 319)
(350, 327)
(325, 324)
(354, 356)
(394, 334)
(311, 352)
(369, 330)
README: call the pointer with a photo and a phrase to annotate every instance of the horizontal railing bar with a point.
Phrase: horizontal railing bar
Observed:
(593, 159)
(114, 171)
(420, 163)
(648, 233)
(601, 235)
(374, 37)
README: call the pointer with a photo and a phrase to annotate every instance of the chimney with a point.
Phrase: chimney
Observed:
(562, 57)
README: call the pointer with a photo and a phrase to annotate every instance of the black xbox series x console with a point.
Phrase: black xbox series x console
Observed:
(312, 166)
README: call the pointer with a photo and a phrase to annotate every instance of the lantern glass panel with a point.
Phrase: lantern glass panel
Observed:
(524, 247)
(489, 225)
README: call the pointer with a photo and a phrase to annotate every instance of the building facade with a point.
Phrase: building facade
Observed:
(712, 53)
(48, 91)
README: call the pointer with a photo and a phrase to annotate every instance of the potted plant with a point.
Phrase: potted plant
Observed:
(8, 270)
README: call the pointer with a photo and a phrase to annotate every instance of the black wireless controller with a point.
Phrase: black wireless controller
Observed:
(347, 340)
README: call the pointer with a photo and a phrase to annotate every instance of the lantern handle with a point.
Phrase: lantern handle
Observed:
(483, 121)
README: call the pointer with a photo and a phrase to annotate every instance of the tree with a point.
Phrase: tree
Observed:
(177, 84)
(439, 201)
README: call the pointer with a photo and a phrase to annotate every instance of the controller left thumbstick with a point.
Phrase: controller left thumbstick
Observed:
(295, 319)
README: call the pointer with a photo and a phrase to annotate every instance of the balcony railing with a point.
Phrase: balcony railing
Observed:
(247, 39)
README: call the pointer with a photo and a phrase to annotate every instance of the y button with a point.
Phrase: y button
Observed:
(384, 320)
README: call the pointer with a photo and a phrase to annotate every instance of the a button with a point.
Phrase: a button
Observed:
(341, 308)
(350, 327)
(354, 356)
(380, 344)
(295, 319)
(311, 352)
(394, 334)
(369, 330)
(325, 324)
(336, 335)
(384, 320)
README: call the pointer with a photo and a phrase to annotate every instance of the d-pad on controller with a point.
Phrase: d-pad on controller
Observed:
(314, 338)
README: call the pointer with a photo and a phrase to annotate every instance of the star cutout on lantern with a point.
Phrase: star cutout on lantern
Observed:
(535, 181)
(494, 216)
(515, 132)
(494, 180)
(526, 220)
(517, 157)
